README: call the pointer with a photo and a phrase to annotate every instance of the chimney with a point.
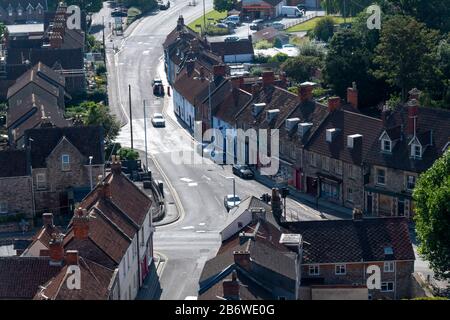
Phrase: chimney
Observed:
(413, 112)
(231, 287)
(352, 96)
(255, 89)
(268, 78)
(276, 202)
(190, 65)
(305, 92)
(55, 41)
(414, 94)
(202, 72)
(195, 45)
(56, 250)
(47, 219)
(357, 214)
(116, 165)
(72, 257)
(242, 258)
(180, 23)
(105, 190)
(80, 223)
(237, 82)
(220, 70)
(385, 113)
(334, 103)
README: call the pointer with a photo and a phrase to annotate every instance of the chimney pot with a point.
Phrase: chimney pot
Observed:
(47, 219)
(72, 257)
(305, 92)
(334, 103)
(352, 96)
(56, 250)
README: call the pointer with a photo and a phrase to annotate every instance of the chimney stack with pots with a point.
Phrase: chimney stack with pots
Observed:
(72, 257)
(47, 219)
(413, 114)
(305, 92)
(56, 250)
(352, 96)
(242, 258)
(268, 78)
(334, 103)
(80, 223)
(116, 165)
(231, 287)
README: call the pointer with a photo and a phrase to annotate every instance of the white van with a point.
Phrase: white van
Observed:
(233, 18)
(290, 12)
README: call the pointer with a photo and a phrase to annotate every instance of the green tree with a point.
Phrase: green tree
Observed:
(301, 68)
(98, 115)
(406, 53)
(324, 29)
(432, 215)
(223, 5)
(128, 154)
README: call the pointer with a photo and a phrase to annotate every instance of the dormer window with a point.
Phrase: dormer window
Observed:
(331, 134)
(386, 145)
(10, 11)
(30, 9)
(39, 8)
(416, 151)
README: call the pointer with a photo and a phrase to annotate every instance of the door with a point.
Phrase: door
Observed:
(311, 186)
(369, 203)
(401, 207)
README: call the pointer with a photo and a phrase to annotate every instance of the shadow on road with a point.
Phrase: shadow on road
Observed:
(96, 28)
(151, 289)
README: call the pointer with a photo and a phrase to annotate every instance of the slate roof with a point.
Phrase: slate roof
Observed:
(225, 48)
(67, 58)
(348, 123)
(13, 163)
(88, 140)
(24, 3)
(20, 277)
(345, 241)
(429, 119)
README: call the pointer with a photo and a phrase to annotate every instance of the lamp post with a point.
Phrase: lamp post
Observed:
(145, 134)
(90, 171)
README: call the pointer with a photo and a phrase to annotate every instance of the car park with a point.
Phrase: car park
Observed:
(230, 201)
(243, 171)
(221, 25)
(233, 18)
(158, 120)
(257, 24)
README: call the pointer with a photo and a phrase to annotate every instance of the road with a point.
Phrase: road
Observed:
(198, 189)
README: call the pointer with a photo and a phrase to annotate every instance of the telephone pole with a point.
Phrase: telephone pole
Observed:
(131, 116)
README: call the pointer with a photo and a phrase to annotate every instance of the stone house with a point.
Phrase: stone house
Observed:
(356, 245)
(410, 140)
(60, 165)
(22, 11)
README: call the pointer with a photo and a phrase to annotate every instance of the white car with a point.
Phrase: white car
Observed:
(230, 201)
(158, 120)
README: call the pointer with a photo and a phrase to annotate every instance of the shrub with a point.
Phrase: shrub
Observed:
(263, 44)
(128, 154)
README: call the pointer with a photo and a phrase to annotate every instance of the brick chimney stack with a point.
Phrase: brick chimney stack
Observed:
(47, 219)
(72, 257)
(116, 165)
(268, 78)
(305, 92)
(334, 103)
(414, 94)
(180, 23)
(56, 250)
(56, 40)
(352, 96)
(220, 70)
(413, 114)
(190, 66)
(242, 258)
(237, 82)
(276, 202)
(231, 287)
(81, 224)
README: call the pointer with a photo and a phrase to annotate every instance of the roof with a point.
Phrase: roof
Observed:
(72, 58)
(23, 3)
(87, 140)
(431, 122)
(225, 48)
(13, 163)
(347, 123)
(267, 34)
(95, 279)
(20, 277)
(25, 28)
(346, 241)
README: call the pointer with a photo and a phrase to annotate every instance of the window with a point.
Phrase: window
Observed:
(312, 159)
(41, 181)
(3, 207)
(386, 145)
(416, 151)
(326, 163)
(381, 176)
(10, 11)
(65, 162)
(389, 266)
(340, 269)
(19, 11)
(338, 167)
(350, 195)
(314, 270)
(410, 182)
(30, 9)
(387, 286)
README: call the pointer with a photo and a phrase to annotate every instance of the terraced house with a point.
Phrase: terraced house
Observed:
(22, 11)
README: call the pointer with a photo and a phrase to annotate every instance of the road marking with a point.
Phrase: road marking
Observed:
(201, 224)
(188, 228)
(186, 180)
(200, 231)
(206, 177)
(193, 184)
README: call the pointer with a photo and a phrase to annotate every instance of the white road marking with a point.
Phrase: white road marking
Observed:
(188, 228)
(201, 224)
(186, 180)
(193, 184)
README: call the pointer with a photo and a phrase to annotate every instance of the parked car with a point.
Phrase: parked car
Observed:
(291, 12)
(163, 6)
(221, 25)
(243, 171)
(256, 24)
(231, 25)
(233, 18)
(230, 201)
(158, 120)
(118, 13)
(231, 39)
(158, 87)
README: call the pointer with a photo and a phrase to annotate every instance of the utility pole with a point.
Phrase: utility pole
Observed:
(204, 17)
(131, 116)
(104, 42)
(145, 130)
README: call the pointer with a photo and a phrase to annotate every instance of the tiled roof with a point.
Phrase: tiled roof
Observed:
(334, 241)
(13, 163)
(67, 58)
(224, 48)
(24, 3)
(95, 282)
(347, 123)
(88, 140)
(20, 277)
(430, 122)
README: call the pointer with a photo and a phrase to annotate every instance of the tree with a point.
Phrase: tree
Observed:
(432, 215)
(301, 68)
(223, 5)
(324, 29)
(98, 115)
(405, 54)
(128, 154)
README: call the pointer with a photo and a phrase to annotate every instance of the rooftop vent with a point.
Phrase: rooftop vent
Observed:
(291, 239)
(272, 114)
(303, 128)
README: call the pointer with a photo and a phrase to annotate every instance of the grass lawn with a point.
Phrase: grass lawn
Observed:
(310, 24)
(215, 15)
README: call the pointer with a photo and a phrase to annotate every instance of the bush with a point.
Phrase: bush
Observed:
(263, 44)
(101, 69)
(319, 92)
(97, 95)
(256, 71)
(128, 154)
(324, 29)
(260, 59)
(278, 58)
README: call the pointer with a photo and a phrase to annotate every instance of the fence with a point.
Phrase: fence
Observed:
(300, 20)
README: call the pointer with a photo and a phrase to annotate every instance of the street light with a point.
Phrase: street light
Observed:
(90, 170)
